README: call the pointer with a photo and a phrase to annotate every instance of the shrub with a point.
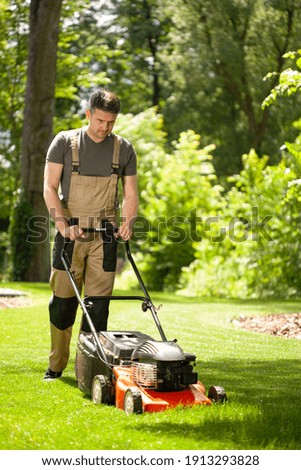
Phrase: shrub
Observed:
(20, 251)
(258, 253)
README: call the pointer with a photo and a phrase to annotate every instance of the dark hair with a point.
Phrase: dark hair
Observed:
(105, 100)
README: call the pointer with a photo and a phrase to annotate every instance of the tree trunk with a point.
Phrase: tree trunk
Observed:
(37, 128)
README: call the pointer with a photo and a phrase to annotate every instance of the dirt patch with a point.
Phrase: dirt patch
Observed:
(13, 302)
(285, 325)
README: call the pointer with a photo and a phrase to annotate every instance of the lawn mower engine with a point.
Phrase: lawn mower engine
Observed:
(155, 365)
(162, 366)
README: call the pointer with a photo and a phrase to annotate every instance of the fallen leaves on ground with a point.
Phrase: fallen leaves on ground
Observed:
(287, 325)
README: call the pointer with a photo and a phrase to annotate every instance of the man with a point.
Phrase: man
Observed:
(82, 170)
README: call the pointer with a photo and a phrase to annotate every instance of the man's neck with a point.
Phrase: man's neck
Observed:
(92, 136)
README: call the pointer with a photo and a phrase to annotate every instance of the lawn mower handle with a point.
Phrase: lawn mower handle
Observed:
(148, 302)
(108, 230)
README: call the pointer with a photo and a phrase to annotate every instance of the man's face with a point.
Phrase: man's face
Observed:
(100, 125)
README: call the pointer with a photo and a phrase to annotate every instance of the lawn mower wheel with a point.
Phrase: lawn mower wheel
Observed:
(133, 401)
(217, 394)
(101, 390)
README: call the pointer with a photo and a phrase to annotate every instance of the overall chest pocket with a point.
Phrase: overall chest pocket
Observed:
(91, 193)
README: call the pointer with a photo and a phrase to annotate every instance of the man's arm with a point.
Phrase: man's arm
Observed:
(52, 177)
(129, 206)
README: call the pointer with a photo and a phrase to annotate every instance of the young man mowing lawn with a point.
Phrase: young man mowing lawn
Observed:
(82, 171)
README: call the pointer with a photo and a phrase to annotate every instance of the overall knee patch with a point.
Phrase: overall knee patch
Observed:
(62, 312)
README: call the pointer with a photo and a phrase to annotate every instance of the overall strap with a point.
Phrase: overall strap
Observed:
(116, 153)
(75, 154)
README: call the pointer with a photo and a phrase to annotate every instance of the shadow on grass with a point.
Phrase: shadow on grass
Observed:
(263, 409)
(254, 382)
(71, 381)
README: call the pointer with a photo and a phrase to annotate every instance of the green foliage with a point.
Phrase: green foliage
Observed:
(218, 60)
(194, 235)
(145, 131)
(201, 63)
(289, 80)
(185, 190)
(175, 189)
(257, 252)
(13, 60)
(21, 252)
(81, 64)
(139, 30)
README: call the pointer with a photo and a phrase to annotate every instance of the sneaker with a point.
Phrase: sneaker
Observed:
(50, 375)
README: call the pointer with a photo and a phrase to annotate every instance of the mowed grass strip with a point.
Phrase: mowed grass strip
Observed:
(260, 373)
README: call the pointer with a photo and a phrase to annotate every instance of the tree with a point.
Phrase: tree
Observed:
(38, 114)
(224, 49)
(139, 31)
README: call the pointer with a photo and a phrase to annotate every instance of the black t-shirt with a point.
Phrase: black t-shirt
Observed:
(95, 159)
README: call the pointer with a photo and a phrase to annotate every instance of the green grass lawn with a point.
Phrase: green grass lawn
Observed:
(260, 373)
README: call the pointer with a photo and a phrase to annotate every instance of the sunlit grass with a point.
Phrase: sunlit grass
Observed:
(261, 375)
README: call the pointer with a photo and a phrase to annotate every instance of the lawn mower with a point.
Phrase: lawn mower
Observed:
(130, 369)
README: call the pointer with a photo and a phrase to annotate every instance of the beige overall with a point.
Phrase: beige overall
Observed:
(92, 203)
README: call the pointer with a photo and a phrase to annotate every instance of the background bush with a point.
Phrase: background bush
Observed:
(21, 252)
(259, 253)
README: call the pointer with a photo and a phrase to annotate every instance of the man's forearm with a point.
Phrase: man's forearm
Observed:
(129, 212)
(55, 210)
